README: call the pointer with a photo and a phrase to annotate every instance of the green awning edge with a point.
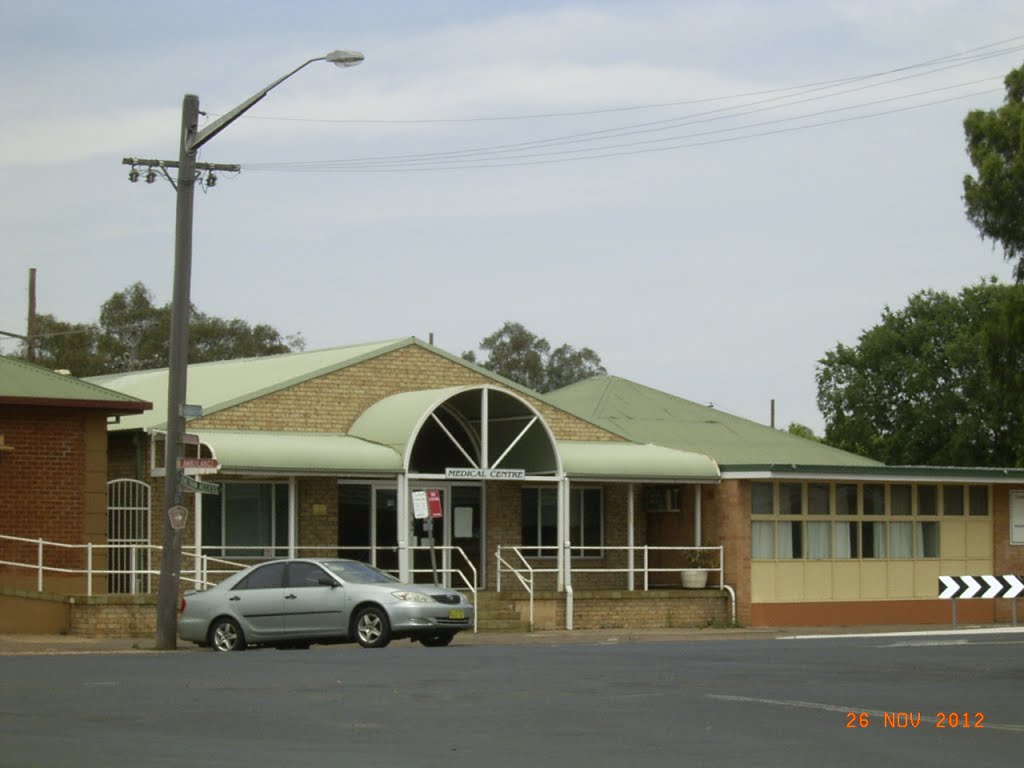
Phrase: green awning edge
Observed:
(634, 461)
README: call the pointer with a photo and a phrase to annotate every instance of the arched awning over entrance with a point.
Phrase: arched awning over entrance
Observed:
(475, 431)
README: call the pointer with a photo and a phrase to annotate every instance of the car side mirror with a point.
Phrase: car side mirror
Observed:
(327, 582)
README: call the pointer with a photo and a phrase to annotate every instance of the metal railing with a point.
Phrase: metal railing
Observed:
(526, 581)
(205, 570)
(708, 559)
(92, 552)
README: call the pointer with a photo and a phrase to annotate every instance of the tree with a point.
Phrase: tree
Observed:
(132, 333)
(994, 201)
(802, 430)
(940, 382)
(517, 354)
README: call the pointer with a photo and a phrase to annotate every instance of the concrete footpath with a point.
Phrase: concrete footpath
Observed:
(73, 644)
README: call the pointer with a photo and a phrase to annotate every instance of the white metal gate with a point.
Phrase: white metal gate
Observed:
(128, 514)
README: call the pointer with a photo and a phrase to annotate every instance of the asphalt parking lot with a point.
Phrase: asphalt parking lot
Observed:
(603, 698)
(72, 644)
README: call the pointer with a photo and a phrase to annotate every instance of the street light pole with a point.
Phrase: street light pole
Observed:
(181, 305)
(177, 379)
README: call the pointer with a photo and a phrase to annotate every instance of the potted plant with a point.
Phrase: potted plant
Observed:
(695, 575)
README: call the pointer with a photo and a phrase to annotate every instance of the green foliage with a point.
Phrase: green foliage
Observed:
(940, 382)
(994, 201)
(802, 430)
(519, 355)
(133, 334)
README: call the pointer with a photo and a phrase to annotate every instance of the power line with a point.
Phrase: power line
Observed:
(962, 58)
(492, 158)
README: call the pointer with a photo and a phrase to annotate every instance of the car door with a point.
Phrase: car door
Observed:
(313, 609)
(258, 602)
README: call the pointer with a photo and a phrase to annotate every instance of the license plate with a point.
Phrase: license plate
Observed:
(456, 613)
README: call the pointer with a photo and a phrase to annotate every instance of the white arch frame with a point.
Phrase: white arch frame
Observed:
(483, 445)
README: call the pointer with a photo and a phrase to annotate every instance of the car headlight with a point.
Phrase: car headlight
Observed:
(412, 597)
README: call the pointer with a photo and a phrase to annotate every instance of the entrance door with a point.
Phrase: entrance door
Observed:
(422, 530)
(462, 525)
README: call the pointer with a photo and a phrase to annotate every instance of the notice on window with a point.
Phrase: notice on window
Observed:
(463, 522)
(419, 505)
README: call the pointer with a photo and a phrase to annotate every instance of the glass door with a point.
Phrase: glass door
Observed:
(462, 525)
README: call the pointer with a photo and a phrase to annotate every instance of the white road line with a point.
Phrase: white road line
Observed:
(916, 633)
(844, 710)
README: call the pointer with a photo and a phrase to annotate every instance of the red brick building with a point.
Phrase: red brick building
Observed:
(53, 470)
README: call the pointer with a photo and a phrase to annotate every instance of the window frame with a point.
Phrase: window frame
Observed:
(534, 549)
(871, 534)
(280, 522)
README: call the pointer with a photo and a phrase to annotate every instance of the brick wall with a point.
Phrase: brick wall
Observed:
(332, 403)
(725, 521)
(630, 610)
(114, 616)
(1006, 558)
(318, 516)
(53, 482)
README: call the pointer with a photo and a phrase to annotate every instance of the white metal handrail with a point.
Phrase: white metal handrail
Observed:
(91, 572)
(201, 571)
(717, 555)
(527, 581)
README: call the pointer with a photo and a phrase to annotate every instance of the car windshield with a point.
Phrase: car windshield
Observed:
(359, 573)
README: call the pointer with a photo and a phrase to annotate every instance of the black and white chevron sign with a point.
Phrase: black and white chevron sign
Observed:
(980, 586)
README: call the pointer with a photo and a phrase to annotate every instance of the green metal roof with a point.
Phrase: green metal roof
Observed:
(298, 452)
(220, 385)
(393, 420)
(23, 383)
(631, 461)
(646, 415)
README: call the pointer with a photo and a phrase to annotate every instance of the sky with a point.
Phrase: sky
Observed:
(710, 195)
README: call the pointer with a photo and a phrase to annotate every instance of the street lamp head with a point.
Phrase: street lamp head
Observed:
(344, 58)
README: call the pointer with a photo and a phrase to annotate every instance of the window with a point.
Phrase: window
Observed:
(817, 499)
(927, 540)
(303, 575)
(872, 540)
(899, 500)
(662, 498)
(901, 539)
(848, 520)
(846, 500)
(250, 520)
(790, 501)
(819, 540)
(540, 522)
(763, 540)
(874, 499)
(978, 499)
(846, 540)
(927, 500)
(270, 576)
(791, 543)
(585, 521)
(761, 498)
(1017, 517)
(953, 500)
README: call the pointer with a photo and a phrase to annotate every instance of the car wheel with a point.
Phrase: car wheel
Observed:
(373, 630)
(437, 641)
(226, 635)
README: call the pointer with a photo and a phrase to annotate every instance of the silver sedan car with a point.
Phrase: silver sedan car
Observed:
(294, 603)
